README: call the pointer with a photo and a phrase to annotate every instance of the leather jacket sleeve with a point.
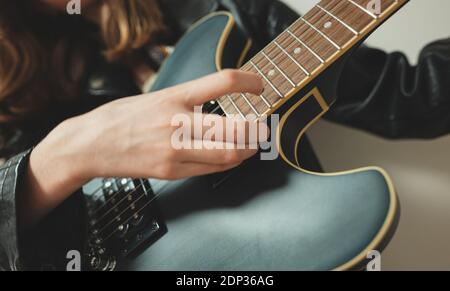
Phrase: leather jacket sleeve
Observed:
(9, 174)
(383, 94)
(45, 246)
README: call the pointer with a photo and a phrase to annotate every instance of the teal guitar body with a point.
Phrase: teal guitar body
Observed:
(264, 215)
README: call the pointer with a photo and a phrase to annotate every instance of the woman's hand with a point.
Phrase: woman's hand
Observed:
(132, 137)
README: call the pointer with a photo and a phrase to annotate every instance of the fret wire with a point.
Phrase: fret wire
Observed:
(322, 34)
(236, 107)
(250, 104)
(266, 101)
(339, 20)
(223, 107)
(288, 54)
(267, 80)
(307, 47)
(278, 37)
(364, 9)
(278, 68)
(148, 203)
(293, 59)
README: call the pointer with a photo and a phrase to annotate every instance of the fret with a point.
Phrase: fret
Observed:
(306, 46)
(270, 97)
(250, 104)
(303, 49)
(321, 45)
(364, 8)
(244, 105)
(330, 27)
(293, 55)
(279, 69)
(221, 106)
(338, 20)
(227, 106)
(258, 103)
(271, 73)
(283, 50)
(370, 6)
(264, 99)
(321, 33)
(266, 79)
(233, 103)
(348, 13)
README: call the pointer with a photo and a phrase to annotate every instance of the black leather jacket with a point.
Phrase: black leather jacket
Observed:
(379, 92)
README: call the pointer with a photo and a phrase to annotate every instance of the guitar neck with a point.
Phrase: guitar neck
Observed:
(305, 49)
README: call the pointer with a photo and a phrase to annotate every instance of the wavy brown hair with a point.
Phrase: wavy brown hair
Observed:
(44, 54)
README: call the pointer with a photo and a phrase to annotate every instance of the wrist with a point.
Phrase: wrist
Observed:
(56, 170)
(63, 152)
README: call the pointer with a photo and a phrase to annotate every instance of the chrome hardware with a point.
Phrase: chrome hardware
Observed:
(107, 184)
(119, 220)
(155, 225)
(123, 229)
(103, 264)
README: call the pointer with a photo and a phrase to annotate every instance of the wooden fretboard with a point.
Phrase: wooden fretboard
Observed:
(305, 49)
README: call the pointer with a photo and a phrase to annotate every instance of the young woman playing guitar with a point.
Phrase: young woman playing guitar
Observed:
(56, 69)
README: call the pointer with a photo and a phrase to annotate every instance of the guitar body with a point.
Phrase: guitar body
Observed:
(265, 215)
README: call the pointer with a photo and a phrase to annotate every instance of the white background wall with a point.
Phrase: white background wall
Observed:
(420, 169)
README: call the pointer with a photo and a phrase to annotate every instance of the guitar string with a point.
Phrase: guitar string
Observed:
(286, 42)
(115, 204)
(263, 65)
(137, 212)
(119, 191)
(258, 62)
(97, 191)
(217, 108)
(148, 203)
(253, 59)
(141, 184)
(157, 195)
(118, 216)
